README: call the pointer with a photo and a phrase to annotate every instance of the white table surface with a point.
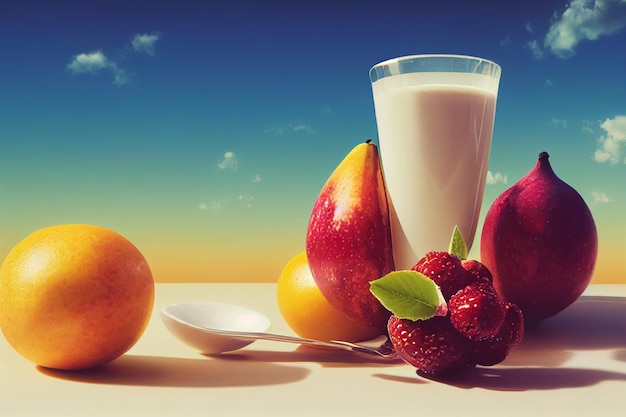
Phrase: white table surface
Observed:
(572, 365)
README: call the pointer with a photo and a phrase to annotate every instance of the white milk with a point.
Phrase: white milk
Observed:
(434, 144)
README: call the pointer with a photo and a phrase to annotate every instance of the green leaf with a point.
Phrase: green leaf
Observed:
(458, 246)
(409, 295)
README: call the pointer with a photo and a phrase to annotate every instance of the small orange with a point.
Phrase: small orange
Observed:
(74, 296)
(308, 313)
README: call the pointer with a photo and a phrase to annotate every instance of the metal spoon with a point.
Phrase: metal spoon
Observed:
(384, 350)
(213, 328)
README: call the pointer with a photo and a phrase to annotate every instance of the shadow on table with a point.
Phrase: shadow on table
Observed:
(518, 379)
(526, 379)
(160, 371)
(591, 323)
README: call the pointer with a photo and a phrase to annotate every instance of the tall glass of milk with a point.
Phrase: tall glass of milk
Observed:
(435, 116)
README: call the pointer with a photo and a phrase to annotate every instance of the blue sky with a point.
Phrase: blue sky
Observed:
(203, 131)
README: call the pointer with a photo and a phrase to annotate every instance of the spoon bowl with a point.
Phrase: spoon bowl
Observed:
(193, 323)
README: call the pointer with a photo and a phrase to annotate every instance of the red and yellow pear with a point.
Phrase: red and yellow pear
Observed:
(348, 241)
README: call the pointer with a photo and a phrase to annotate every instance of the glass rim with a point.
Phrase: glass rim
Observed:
(419, 56)
(460, 57)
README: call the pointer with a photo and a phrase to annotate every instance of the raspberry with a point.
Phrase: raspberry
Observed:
(446, 271)
(495, 349)
(432, 346)
(479, 329)
(476, 311)
(479, 270)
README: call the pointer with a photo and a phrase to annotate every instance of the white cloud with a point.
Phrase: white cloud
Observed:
(120, 77)
(302, 128)
(91, 62)
(94, 62)
(584, 20)
(505, 41)
(203, 206)
(229, 162)
(599, 197)
(558, 122)
(495, 178)
(529, 28)
(535, 49)
(145, 43)
(281, 130)
(256, 178)
(610, 145)
(549, 82)
(588, 126)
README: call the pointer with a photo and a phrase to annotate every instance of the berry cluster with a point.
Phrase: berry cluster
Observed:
(479, 328)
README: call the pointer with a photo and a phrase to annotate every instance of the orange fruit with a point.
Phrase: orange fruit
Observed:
(308, 313)
(74, 296)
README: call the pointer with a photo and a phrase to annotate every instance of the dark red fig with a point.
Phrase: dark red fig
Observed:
(540, 243)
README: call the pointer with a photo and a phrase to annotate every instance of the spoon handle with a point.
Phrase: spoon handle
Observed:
(279, 338)
(303, 341)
